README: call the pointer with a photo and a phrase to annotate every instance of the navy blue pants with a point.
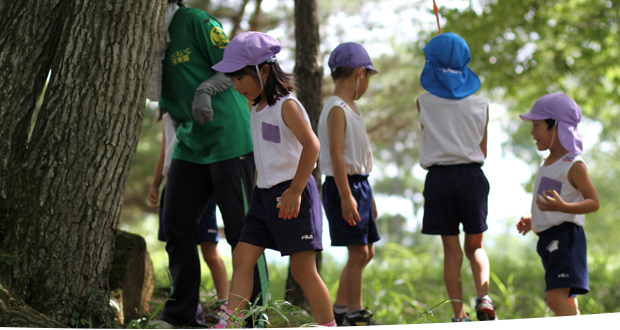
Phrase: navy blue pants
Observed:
(564, 254)
(188, 190)
(455, 194)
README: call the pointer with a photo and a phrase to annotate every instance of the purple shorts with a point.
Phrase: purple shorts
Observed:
(455, 194)
(263, 228)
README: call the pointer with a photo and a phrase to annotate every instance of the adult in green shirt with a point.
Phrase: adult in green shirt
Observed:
(214, 157)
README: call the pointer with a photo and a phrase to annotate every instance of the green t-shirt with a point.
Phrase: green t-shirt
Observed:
(197, 43)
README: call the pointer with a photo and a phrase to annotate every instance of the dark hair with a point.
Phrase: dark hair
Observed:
(550, 123)
(178, 2)
(345, 72)
(162, 112)
(279, 83)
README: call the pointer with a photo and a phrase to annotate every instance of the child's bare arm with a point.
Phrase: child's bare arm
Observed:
(336, 126)
(158, 176)
(294, 119)
(417, 103)
(578, 176)
(483, 144)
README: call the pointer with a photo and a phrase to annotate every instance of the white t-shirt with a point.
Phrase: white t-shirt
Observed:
(555, 177)
(453, 130)
(276, 149)
(356, 152)
(171, 140)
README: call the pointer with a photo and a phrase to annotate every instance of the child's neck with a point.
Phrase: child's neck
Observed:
(556, 153)
(262, 104)
(347, 94)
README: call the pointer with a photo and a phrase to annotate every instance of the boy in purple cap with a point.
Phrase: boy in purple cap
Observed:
(453, 149)
(285, 209)
(563, 195)
(346, 160)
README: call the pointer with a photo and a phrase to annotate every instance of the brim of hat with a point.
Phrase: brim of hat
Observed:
(570, 138)
(228, 66)
(373, 71)
(431, 83)
(533, 116)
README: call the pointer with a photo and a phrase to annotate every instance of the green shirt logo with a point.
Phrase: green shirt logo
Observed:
(181, 56)
(219, 38)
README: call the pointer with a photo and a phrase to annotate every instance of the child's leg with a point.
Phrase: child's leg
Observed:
(558, 302)
(245, 257)
(474, 250)
(352, 275)
(303, 268)
(218, 269)
(573, 302)
(453, 259)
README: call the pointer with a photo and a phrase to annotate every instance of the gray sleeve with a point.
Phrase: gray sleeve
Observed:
(201, 107)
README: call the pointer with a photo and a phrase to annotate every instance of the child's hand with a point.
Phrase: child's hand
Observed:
(550, 201)
(524, 225)
(349, 211)
(154, 196)
(289, 205)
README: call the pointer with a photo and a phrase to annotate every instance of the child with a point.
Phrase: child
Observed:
(208, 233)
(286, 150)
(454, 146)
(346, 159)
(563, 195)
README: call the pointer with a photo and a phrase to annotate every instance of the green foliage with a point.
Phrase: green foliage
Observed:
(88, 311)
(526, 49)
(6, 258)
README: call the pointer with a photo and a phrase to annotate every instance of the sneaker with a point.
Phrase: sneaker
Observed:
(462, 323)
(485, 308)
(339, 317)
(213, 316)
(467, 319)
(363, 318)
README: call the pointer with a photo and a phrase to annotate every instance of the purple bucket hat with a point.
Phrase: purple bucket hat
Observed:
(248, 48)
(350, 55)
(565, 110)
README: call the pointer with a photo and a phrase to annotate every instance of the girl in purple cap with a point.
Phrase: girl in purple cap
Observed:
(285, 209)
(453, 149)
(563, 195)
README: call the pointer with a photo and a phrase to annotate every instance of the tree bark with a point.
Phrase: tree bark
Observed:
(61, 192)
(308, 75)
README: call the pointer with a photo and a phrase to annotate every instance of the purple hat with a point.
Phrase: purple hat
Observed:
(565, 110)
(350, 55)
(248, 48)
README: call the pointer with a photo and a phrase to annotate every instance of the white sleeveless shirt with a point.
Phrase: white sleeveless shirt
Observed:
(171, 140)
(276, 149)
(453, 130)
(555, 177)
(356, 152)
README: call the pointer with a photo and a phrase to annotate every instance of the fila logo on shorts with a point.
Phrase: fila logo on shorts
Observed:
(211, 231)
(307, 237)
(563, 275)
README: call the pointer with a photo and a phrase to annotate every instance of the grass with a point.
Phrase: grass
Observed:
(404, 285)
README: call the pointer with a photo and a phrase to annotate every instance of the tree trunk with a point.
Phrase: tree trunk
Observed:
(61, 192)
(308, 75)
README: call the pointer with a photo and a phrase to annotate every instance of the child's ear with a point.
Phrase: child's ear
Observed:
(264, 71)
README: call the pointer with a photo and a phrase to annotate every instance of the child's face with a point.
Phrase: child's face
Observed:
(542, 134)
(247, 86)
(364, 81)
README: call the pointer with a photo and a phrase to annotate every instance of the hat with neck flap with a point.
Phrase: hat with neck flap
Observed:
(446, 73)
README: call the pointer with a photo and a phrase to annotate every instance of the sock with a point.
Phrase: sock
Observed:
(354, 313)
(340, 309)
(330, 324)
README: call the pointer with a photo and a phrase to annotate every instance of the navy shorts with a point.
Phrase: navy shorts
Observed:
(455, 194)
(207, 227)
(263, 228)
(341, 232)
(564, 252)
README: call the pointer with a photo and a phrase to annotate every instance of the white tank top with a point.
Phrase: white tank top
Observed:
(555, 177)
(171, 140)
(356, 152)
(453, 130)
(276, 149)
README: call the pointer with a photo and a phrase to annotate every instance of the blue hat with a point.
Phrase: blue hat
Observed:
(446, 73)
(350, 55)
